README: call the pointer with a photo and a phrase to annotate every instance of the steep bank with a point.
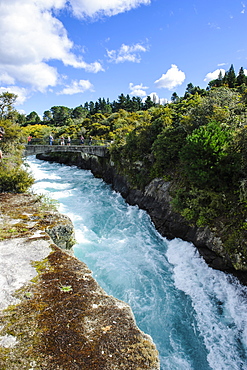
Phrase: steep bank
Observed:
(54, 315)
(156, 200)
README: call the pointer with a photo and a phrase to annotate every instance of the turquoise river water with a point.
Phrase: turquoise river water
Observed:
(196, 316)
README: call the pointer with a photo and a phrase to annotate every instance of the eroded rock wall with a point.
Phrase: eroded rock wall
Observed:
(156, 200)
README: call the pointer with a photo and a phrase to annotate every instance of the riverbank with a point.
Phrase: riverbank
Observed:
(54, 315)
(156, 200)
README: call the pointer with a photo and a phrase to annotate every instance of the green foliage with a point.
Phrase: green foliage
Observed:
(7, 101)
(198, 142)
(218, 105)
(206, 159)
(200, 206)
(166, 150)
(14, 179)
(13, 176)
(37, 131)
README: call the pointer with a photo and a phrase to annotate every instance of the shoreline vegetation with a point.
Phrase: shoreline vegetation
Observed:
(198, 142)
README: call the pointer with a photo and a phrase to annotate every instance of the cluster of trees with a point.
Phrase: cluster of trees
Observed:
(59, 116)
(230, 79)
(13, 175)
(197, 141)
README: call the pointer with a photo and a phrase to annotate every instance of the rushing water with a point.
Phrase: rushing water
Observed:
(196, 316)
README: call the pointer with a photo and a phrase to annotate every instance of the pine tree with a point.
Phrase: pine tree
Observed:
(230, 77)
(241, 79)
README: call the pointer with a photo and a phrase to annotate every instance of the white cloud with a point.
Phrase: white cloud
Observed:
(31, 36)
(6, 78)
(92, 8)
(22, 93)
(77, 87)
(243, 10)
(137, 90)
(156, 99)
(126, 53)
(214, 75)
(172, 78)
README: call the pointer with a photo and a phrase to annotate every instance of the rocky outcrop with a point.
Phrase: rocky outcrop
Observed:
(53, 314)
(156, 200)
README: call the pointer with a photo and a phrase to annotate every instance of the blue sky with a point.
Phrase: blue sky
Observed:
(58, 52)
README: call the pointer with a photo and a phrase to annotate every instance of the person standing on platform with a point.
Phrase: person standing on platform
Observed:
(2, 132)
(50, 139)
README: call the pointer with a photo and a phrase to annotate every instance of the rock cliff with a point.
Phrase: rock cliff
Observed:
(53, 314)
(156, 200)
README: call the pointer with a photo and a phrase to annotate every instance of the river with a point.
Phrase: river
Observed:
(196, 316)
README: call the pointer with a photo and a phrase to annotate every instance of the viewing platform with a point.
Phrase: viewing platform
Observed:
(97, 150)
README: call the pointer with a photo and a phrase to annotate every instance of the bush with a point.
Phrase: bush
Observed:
(166, 150)
(13, 177)
(207, 159)
(15, 180)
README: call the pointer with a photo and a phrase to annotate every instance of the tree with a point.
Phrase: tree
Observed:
(192, 90)
(21, 119)
(218, 105)
(47, 116)
(189, 90)
(166, 149)
(230, 77)
(96, 107)
(91, 107)
(148, 103)
(60, 114)
(241, 78)
(79, 113)
(175, 98)
(217, 82)
(7, 101)
(207, 160)
(121, 103)
(32, 118)
(135, 104)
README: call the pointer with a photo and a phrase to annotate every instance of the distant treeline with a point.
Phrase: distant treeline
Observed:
(62, 116)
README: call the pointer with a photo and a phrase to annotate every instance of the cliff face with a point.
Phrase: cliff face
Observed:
(156, 200)
(53, 314)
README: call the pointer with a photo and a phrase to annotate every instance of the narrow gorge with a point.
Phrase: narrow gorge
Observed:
(156, 200)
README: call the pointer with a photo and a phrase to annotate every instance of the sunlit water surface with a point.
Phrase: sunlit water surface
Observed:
(196, 316)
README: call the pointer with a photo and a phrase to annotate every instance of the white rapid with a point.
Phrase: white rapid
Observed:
(196, 316)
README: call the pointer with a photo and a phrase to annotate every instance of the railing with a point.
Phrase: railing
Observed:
(95, 142)
(94, 150)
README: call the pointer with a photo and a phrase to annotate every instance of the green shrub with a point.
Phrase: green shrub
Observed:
(166, 150)
(207, 159)
(15, 180)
